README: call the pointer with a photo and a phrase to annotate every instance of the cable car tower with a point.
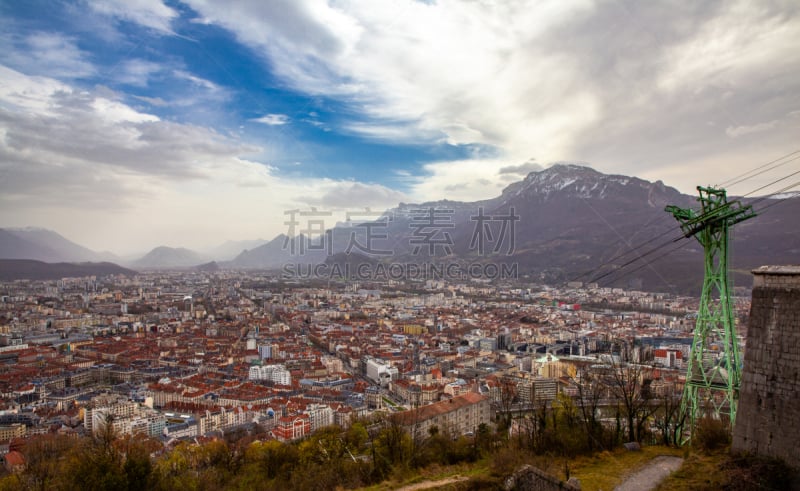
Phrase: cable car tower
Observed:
(712, 377)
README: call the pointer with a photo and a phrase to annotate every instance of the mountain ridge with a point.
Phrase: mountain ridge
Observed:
(567, 219)
(570, 219)
(170, 257)
(28, 269)
(45, 245)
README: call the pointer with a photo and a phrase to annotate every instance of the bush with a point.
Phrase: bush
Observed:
(508, 459)
(747, 472)
(711, 434)
(480, 483)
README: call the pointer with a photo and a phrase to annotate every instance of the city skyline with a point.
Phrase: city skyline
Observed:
(128, 125)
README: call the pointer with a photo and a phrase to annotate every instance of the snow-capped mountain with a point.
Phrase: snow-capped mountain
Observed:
(567, 219)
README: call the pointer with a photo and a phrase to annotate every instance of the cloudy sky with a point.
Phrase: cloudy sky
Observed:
(127, 124)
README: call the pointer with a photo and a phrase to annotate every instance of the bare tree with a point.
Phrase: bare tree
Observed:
(531, 427)
(590, 390)
(507, 397)
(393, 442)
(43, 459)
(668, 417)
(630, 386)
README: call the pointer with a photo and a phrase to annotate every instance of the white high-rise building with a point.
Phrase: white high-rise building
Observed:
(321, 415)
(274, 373)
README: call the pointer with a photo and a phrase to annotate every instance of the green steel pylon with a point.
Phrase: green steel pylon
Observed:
(713, 376)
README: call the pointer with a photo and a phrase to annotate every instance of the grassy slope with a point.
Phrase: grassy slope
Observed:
(699, 471)
(600, 472)
(432, 473)
(606, 470)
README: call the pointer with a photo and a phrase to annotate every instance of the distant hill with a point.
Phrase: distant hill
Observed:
(12, 246)
(26, 269)
(569, 222)
(45, 245)
(232, 248)
(164, 257)
(208, 267)
(276, 253)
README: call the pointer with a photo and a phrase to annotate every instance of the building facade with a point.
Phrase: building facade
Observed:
(460, 415)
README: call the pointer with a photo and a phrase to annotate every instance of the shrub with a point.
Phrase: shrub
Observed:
(480, 483)
(508, 459)
(747, 472)
(711, 434)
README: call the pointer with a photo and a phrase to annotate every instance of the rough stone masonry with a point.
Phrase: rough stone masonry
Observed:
(768, 417)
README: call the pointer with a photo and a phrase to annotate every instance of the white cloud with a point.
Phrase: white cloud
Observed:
(46, 53)
(390, 133)
(92, 167)
(114, 112)
(745, 37)
(153, 101)
(737, 131)
(522, 169)
(459, 72)
(29, 93)
(463, 180)
(787, 122)
(137, 72)
(614, 84)
(272, 119)
(148, 13)
(353, 195)
(200, 82)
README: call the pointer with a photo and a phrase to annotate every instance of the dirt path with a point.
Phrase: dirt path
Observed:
(433, 484)
(651, 474)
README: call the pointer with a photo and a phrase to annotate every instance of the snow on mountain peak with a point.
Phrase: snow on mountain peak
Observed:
(576, 179)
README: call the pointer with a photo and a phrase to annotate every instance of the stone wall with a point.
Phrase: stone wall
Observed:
(768, 416)
(529, 478)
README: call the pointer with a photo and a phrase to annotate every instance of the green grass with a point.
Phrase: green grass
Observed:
(602, 471)
(432, 473)
(699, 472)
(606, 470)
(391, 403)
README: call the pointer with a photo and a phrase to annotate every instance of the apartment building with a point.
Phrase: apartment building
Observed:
(460, 415)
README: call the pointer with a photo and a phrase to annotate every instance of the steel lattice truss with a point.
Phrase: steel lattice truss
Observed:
(714, 365)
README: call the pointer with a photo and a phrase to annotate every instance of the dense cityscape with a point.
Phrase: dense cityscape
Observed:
(190, 355)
